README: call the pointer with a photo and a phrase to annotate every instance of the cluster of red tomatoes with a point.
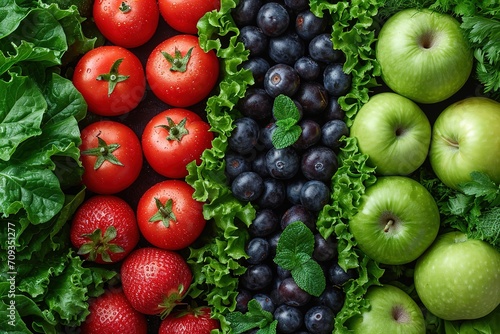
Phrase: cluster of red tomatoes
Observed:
(114, 81)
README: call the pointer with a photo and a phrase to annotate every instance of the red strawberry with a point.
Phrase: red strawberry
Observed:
(112, 313)
(194, 321)
(155, 280)
(104, 229)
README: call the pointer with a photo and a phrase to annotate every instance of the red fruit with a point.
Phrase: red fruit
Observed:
(104, 229)
(155, 280)
(112, 313)
(195, 321)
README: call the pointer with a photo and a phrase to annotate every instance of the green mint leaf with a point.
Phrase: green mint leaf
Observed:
(284, 107)
(286, 123)
(296, 238)
(310, 277)
(271, 329)
(282, 137)
(255, 317)
(287, 259)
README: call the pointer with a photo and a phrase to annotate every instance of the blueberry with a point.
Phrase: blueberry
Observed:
(300, 213)
(319, 163)
(293, 188)
(324, 249)
(257, 250)
(286, 48)
(273, 19)
(319, 319)
(289, 318)
(314, 195)
(310, 135)
(273, 195)
(258, 164)
(236, 164)
(282, 163)
(247, 186)
(257, 277)
(281, 79)
(254, 40)
(333, 110)
(265, 302)
(338, 276)
(332, 297)
(307, 68)
(308, 25)
(321, 49)
(256, 104)
(245, 12)
(332, 131)
(265, 222)
(313, 98)
(297, 5)
(258, 66)
(292, 294)
(265, 136)
(335, 80)
(244, 136)
(242, 299)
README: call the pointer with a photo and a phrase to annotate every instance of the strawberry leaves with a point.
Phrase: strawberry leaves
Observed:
(100, 244)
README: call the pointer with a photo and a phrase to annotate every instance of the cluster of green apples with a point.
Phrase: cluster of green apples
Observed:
(424, 59)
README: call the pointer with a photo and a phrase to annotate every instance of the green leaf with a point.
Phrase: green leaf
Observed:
(297, 238)
(255, 317)
(22, 107)
(310, 277)
(284, 108)
(284, 137)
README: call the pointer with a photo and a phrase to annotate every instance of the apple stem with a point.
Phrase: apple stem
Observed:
(388, 225)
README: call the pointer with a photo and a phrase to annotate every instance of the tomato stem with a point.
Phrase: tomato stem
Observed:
(113, 77)
(165, 212)
(177, 61)
(103, 152)
(175, 131)
(124, 7)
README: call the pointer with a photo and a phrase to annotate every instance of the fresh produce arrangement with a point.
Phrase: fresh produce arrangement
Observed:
(251, 166)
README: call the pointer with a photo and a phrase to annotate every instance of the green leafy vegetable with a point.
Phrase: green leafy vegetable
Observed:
(255, 317)
(294, 253)
(287, 115)
(39, 115)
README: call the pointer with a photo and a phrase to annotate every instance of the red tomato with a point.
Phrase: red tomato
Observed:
(104, 229)
(180, 73)
(111, 79)
(183, 15)
(127, 23)
(168, 216)
(174, 138)
(111, 156)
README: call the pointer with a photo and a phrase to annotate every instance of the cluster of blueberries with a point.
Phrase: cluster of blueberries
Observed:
(290, 53)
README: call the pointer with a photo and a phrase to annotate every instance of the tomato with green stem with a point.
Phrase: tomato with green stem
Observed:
(104, 229)
(168, 216)
(111, 156)
(126, 23)
(180, 72)
(111, 79)
(174, 138)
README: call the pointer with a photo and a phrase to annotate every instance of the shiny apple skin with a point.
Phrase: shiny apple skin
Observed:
(465, 138)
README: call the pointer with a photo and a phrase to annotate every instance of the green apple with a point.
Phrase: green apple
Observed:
(465, 139)
(458, 278)
(397, 220)
(391, 310)
(423, 55)
(394, 132)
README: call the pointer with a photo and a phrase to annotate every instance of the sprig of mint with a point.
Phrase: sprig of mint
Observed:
(287, 115)
(255, 317)
(294, 253)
